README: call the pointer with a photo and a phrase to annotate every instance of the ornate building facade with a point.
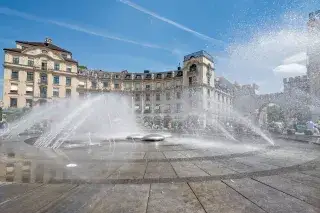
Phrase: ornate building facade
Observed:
(37, 72)
(42, 72)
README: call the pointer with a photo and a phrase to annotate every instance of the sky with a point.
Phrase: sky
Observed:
(251, 41)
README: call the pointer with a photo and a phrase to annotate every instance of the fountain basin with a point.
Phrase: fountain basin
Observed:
(135, 137)
(153, 137)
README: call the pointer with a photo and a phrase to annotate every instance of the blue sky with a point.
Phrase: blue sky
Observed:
(250, 40)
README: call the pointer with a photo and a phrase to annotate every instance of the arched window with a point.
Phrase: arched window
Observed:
(193, 68)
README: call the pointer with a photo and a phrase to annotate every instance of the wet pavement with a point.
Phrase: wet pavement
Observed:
(177, 175)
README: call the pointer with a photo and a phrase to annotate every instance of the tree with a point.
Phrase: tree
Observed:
(82, 67)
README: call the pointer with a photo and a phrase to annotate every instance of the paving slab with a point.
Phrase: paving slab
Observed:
(187, 169)
(236, 166)
(36, 199)
(174, 154)
(154, 155)
(123, 198)
(270, 199)
(159, 170)
(173, 198)
(213, 168)
(10, 191)
(81, 200)
(303, 192)
(303, 178)
(216, 196)
(129, 171)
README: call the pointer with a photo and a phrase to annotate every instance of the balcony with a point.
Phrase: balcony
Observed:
(147, 111)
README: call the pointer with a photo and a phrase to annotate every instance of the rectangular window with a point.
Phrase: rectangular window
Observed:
(158, 85)
(94, 84)
(105, 84)
(68, 81)
(43, 92)
(30, 76)
(68, 93)
(56, 66)
(15, 75)
(148, 87)
(117, 86)
(137, 97)
(168, 84)
(55, 92)
(30, 62)
(158, 97)
(56, 80)
(178, 83)
(69, 69)
(147, 108)
(14, 88)
(178, 95)
(168, 96)
(15, 60)
(28, 102)
(157, 108)
(147, 97)
(29, 90)
(137, 108)
(179, 107)
(13, 102)
(137, 86)
(128, 85)
(190, 80)
(167, 108)
(44, 65)
(208, 91)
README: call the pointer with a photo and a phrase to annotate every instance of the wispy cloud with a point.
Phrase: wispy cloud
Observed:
(288, 70)
(10, 12)
(173, 23)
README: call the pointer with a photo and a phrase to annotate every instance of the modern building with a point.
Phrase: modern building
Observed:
(38, 72)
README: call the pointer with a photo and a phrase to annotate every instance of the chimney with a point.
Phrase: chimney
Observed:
(48, 41)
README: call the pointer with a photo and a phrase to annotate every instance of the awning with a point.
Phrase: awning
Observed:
(29, 88)
(14, 87)
(81, 83)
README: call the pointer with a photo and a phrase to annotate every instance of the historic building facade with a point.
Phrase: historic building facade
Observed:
(37, 72)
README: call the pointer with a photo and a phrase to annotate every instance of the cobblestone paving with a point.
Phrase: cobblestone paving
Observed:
(162, 177)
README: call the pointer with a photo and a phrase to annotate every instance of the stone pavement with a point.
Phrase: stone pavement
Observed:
(173, 176)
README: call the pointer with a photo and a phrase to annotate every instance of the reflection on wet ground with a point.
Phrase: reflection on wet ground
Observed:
(171, 176)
